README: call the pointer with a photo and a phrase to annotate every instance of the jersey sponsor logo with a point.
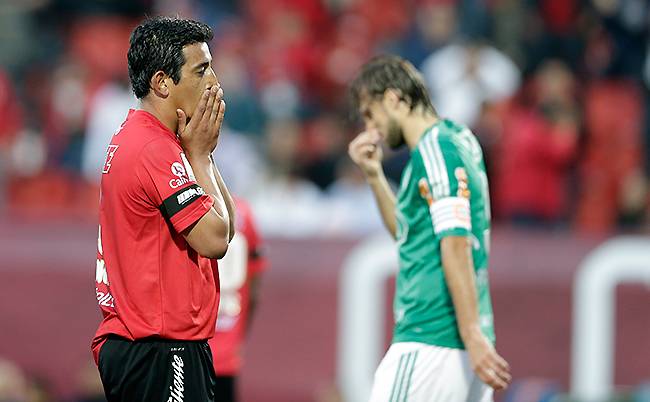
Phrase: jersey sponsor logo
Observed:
(189, 194)
(178, 169)
(110, 154)
(180, 199)
(178, 386)
(188, 167)
(180, 172)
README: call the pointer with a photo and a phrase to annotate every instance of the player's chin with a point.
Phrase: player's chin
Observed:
(394, 143)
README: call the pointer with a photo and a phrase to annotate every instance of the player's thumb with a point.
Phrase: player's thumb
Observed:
(182, 121)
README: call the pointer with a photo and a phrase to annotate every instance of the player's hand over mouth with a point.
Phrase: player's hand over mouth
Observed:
(199, 136)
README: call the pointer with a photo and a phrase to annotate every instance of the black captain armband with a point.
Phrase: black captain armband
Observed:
(180, 199)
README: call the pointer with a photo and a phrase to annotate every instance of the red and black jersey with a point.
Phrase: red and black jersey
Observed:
(149, 281)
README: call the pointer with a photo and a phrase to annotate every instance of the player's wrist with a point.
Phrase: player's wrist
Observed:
(471, 335)
(199, 157)
(373, 174)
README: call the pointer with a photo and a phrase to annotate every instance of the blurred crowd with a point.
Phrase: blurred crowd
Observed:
(556, 90)
(17, 386)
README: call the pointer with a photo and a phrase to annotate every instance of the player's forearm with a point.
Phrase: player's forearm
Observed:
(460, 277)
(254, 288)
(227, 199)
(385, 199)
(206, 177)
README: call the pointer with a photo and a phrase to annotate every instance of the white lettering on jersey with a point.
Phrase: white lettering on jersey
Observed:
(178, 386)
(176, 183)
(104, 298)
(189, 193)
(101, 276)
(180, 172)
(110, 154)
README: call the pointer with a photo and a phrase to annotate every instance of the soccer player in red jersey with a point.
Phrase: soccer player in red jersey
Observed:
(239, 273)
(165, 217)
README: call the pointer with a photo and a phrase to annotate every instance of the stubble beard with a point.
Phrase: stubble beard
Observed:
(394, 135)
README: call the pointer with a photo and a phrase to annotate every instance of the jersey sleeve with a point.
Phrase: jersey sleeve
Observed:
(168, 181)
(445, 187)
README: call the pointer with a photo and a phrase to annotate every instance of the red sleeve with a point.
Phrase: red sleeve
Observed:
(169, 182)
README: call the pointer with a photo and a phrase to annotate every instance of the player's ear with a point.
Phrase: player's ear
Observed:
(159, 84)
(392, 97)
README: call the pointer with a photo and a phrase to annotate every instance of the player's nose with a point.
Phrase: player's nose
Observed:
(212, 79)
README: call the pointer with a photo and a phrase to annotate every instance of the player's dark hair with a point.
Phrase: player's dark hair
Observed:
(157, 45)
(390, 72)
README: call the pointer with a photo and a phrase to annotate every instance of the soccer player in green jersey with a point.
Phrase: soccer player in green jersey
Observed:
(443, 338)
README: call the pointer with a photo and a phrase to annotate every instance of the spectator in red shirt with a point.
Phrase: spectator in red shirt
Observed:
(165, 217)
(537, 147)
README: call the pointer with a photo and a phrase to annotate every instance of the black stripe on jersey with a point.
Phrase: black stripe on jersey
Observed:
(180, 199)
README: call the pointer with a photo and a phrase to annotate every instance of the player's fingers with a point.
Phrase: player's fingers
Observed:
(501, 362)
(354, 146)
(221, 113)
(216, 108)
(488, 376)
(182, 121)
(362, 141)
(205, 117)
(374, 137)
(491, 378)
(501, 373)
(505, 376)
(367, 149)
(200, 108)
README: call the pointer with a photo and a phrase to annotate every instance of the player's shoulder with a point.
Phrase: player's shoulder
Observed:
(449, 131)
(441, 144)
(141, 129)
(439, 137)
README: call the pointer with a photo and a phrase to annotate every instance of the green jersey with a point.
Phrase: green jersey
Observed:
(443, 192)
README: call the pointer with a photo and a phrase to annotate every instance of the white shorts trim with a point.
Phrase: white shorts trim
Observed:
(416, 372)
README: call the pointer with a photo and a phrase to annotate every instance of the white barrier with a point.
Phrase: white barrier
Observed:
(625, 259)
(362, 316)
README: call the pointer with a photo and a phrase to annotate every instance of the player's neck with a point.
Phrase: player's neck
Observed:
(416, 125)
(168, 118)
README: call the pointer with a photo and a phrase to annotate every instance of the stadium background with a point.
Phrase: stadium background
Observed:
(556, 90)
